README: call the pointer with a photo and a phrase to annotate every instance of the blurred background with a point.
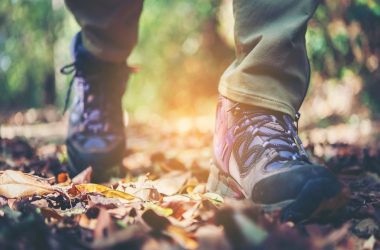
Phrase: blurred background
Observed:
(184, 46)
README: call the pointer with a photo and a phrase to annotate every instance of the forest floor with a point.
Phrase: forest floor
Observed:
(163, 202)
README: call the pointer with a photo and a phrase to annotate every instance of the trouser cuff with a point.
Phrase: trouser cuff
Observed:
(257, 100)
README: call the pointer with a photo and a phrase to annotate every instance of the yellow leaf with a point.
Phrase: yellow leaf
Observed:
(159, 210)
(182, 237)
(92, 188)
(104, 190)
(117, 194)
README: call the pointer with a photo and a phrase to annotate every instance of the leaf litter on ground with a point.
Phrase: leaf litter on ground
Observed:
(163, 202)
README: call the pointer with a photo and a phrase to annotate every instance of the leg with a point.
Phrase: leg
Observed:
(271, 69)
(257, 152)
(109, 28)
(96, 134)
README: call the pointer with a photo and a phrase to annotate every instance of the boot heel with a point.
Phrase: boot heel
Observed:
(222, 184)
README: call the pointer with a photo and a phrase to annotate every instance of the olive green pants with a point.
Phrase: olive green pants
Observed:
(271, 69)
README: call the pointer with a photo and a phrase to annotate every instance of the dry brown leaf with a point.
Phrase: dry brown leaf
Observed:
(181, 207)
(142, 188)
(172, 164)
(15, 184)
(83, 177)
(63, 178)
(191, 211)
(171, 183)
(148, 194)
(104, 225)
(50, 213)
(182, 237)
(162, 223)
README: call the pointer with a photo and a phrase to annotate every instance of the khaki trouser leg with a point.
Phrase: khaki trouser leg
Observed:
(271, 69)
(109, 27)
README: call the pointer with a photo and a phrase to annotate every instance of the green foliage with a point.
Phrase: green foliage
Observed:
(180, 52)
(343, 35)
(28, 31)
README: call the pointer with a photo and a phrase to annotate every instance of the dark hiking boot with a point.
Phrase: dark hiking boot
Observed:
(96, 134)
(258, 155)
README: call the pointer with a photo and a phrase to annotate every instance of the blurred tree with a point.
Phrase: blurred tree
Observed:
(181, 56)
(28, 32)
(344, 37)
(181, 53)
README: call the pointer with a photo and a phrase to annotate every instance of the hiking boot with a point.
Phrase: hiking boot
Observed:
(258, 155)
(96, 134)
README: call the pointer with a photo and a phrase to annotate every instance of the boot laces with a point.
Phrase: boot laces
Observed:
(277, 133)
(92, 98)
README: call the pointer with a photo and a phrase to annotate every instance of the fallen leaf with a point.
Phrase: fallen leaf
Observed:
(147, 194)
(50, 213)
(370, 243)
(104, 190)
(214, 198)
(104, 225)
(191, 210)
(77, 210)
(155, 221)
(172, 164)
(161, 223)
(182, 237)
(101, 200)
(159, 210)
(117, 194)
(142, 189)
(63, 178)
(176, 198)
(15, 184)
(83, 177)
(91, 188)
(171, 183)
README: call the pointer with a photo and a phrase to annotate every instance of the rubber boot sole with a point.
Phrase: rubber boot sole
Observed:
(318, 196)
(105, 165)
